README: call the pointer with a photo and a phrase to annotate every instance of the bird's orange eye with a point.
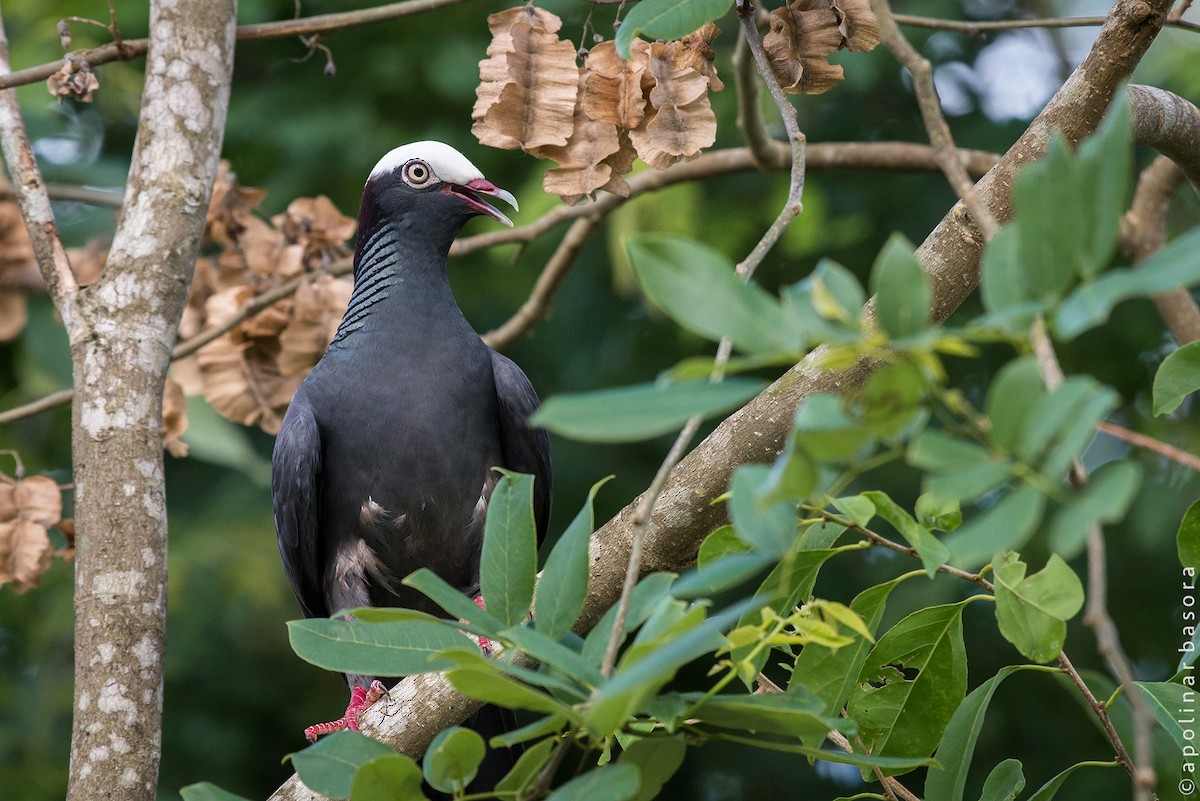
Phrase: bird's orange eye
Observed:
(417, 173)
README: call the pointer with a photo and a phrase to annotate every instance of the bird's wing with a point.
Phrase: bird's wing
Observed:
(526, 450)
(295, 490)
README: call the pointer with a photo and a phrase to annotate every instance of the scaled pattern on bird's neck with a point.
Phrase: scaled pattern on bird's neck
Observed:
(400, 283)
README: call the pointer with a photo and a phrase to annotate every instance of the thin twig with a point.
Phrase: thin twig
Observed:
(51, 401)
(935, 123)
(1096, 615)
(31, 195)
(1101, 712)
(890, 784)
(986, 26)
(749, 118)
(641, 520)
(320, 23)
(745, 270)
(1140, 440)
(80, 194)
(538, 303)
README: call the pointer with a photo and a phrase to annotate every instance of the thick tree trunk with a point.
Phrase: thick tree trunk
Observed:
(122, 329)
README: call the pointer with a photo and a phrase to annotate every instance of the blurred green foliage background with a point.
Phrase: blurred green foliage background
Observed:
(236, 697)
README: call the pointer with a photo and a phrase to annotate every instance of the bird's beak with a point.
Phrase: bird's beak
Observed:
(481, 186)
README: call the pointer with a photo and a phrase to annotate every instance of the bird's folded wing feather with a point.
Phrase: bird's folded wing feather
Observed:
(296, 492)
(526, 450)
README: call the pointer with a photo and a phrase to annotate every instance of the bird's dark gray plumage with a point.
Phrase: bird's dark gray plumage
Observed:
(383, 462)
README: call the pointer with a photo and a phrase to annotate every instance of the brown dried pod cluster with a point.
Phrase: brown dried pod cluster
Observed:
(596, 119)
(805, 32)
(75, 79)
(28, 508)
(248, 374)
(19, 273)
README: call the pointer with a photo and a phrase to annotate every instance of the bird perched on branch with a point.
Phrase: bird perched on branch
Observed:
(383, 464)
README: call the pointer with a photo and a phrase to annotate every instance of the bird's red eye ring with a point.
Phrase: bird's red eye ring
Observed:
(417, 173)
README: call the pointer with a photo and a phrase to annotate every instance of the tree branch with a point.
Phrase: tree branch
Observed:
(944, 150)
(32, 197)
(322, 23)
(988, 26)
(121, 336)
(1144, 232)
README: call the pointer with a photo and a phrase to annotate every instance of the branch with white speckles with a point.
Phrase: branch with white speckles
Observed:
(32, 196)
(121, 335)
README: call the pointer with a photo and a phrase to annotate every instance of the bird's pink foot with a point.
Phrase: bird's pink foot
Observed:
(484, 643)
(360, 699)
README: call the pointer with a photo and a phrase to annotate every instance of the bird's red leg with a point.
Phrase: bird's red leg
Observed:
(484, 643)
(360, 699)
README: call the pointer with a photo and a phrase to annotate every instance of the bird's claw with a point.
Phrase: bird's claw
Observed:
(360, 699)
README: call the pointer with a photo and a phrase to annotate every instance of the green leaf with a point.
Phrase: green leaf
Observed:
(937, 513)
(647, 594)
(617, 782)
(787, 585)
(836, 292)
(508, 563)
(796, 713)
(657, 759)
(969, 483)
(698, 288)
(1077, 427)
(1105, 163)
(642, 411)
(931, 550)
(825, 431)
(634, 682)
(948, 781)
(527, 768)
(1177, 377)
(494, 688)
(1050, 788)
(453, 759)
(206, 791)
(542, 727)
(565, 576)
(1105, 499)
(722, 574)
(1010, 401)
(722, 542)
(1051, 222)
(1168, 700)
(1173, 267)
(474, 659)
(387, 778)
(769, 528)
(667, 19)
(1187, 539)
(553, 653)
(830, 674)
(903, 296)
(1032, 612)
(1002, 283)
(374, 649)
(858, 508)
(1004, 782)
(911, 683)
(1007, 525)
(434, 587)
(328, 767)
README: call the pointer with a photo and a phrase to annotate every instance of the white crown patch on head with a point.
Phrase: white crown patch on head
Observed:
(447, 163)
